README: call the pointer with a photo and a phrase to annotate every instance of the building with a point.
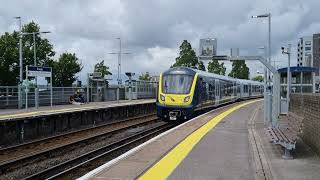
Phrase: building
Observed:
(308, 51)
(316, 52)
(207, 48)
(304, 50)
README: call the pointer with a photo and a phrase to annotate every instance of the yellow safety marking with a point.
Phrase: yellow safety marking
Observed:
(17, 115)
(46, 112)
(163, 168)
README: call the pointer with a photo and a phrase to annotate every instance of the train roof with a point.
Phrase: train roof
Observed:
(191, 71)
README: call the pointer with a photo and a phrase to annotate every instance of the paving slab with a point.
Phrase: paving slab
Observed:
(224, 153)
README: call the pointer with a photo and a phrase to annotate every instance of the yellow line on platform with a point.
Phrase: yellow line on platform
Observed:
(9, 116)
(163, 168)
(45, 112)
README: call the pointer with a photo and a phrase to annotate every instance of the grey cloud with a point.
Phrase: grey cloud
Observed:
(153, 30)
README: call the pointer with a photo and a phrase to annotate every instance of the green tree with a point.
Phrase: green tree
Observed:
(103, 69)
(44, 49)
(9, 64)
(258, 78)
(9, 53)
(65, 69)
(145, 77)
(215, 67)
(239, 70)
(187, 56)
(201, 66)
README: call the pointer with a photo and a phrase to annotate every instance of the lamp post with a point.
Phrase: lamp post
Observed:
(119, 66)
(20, 49)
(36, 94)
(34, 43)
(268, 15)
(288, 52)
(20, 63)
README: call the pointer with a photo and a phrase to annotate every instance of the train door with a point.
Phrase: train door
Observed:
(212, 90)
(250, 89)
(217, 91)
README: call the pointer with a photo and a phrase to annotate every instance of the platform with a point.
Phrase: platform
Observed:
(226, 143)
(6, 114)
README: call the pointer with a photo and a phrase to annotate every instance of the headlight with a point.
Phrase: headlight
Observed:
(186, 99)
(162, 97)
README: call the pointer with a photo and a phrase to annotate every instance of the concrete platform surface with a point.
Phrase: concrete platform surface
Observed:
(234, 147)
(47, 110)
(135, 164)
(224, 153)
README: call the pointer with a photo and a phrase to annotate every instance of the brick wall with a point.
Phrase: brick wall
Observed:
(307, 106)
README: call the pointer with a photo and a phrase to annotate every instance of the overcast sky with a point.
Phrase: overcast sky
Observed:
(153, 30)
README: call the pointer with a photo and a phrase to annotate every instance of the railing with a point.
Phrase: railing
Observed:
(9, 95)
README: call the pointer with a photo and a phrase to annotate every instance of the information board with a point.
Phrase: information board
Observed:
(36, 71)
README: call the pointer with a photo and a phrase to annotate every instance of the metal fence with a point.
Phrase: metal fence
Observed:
(60, 95)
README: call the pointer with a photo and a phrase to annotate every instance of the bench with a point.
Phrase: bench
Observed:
(286, 134)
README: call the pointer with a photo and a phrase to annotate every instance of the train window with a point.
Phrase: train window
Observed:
(177, 84)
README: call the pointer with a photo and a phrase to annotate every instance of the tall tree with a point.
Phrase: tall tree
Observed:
(201, 66)
(103, 69)
(65, 69)
(239, 70)
(145, 77)
(187, 56)
(9, 53)
(215, 67)
(9, 64)
(44, 49)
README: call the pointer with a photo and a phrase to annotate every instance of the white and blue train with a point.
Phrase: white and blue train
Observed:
(183, 91)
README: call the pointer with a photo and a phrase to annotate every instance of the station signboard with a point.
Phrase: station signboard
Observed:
(36, 71)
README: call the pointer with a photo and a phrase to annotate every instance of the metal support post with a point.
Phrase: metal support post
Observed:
(269, 107)
(276, 99)
(88, 88)
(265, 98)
(20, 65)
(288, 78)
(36, 98)
(34, 49)
(51, 93)
(287, 154)
(269, 45)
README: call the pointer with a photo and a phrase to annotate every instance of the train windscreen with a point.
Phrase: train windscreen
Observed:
(176, 84)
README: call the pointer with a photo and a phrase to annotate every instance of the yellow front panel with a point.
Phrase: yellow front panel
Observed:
(176, 99)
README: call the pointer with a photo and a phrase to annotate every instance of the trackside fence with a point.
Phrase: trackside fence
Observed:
(9, 95)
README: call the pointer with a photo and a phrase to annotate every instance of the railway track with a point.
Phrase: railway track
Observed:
(80, 165)
(36, 156)
(25, 149)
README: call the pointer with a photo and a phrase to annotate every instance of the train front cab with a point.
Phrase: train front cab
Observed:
(175, 95)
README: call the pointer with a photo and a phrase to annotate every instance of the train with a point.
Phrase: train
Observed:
(184, 91)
